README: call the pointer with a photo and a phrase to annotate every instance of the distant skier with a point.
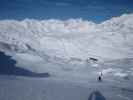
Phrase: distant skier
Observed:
(100, 77)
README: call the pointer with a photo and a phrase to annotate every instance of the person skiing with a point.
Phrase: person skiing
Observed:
(100, 77)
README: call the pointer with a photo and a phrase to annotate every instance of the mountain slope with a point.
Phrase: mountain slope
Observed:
(70, 38)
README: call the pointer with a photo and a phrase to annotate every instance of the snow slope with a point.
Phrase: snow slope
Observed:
(56, 45)
(61, 49)
(79, 83)
(53, 89)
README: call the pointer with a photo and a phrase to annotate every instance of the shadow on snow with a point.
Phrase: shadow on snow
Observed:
(96, 95)
(7, 67)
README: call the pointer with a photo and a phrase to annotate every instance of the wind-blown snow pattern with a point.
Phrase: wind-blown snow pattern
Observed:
(55, 45)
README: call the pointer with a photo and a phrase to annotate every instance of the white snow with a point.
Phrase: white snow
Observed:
(106, 71)
(62, 48)
(51, 45)
(121, 74)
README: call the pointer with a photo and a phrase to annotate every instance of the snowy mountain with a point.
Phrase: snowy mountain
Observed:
(50, 42)
(70, 38)
(59, 50)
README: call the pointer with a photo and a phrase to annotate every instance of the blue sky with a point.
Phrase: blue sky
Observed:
(94, 10)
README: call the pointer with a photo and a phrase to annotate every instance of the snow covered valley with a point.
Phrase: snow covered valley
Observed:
(48, 59)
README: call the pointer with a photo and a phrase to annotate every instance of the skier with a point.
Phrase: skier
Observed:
(100, 77)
